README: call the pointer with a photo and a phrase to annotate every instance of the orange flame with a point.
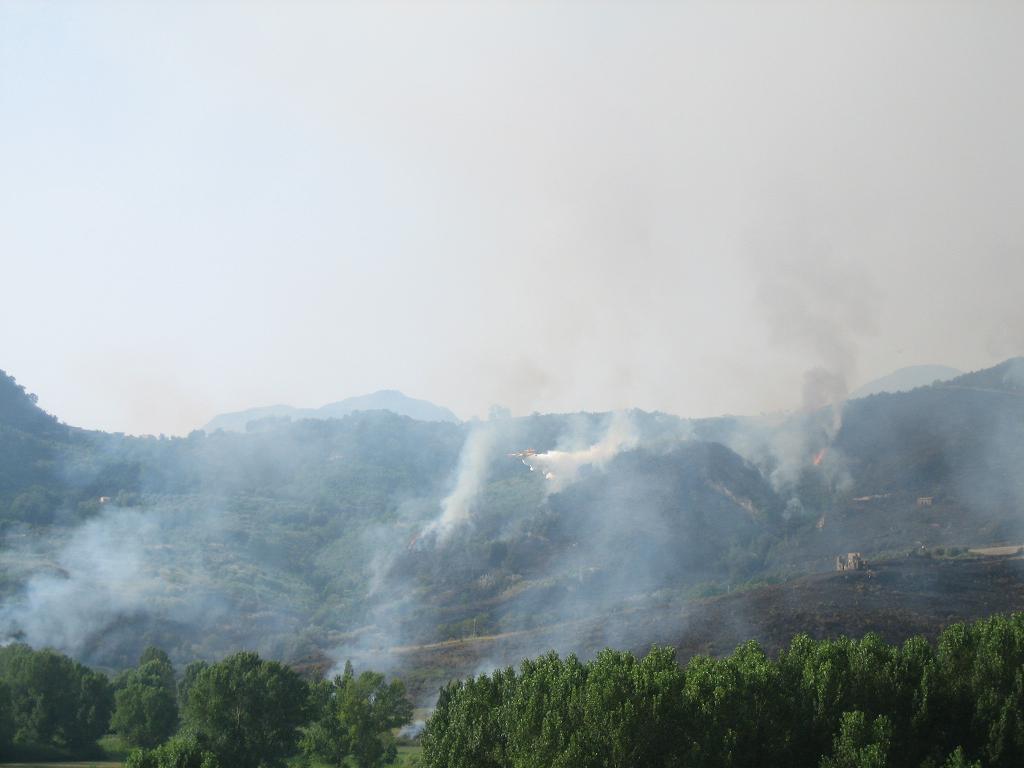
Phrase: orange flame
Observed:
(820, 457)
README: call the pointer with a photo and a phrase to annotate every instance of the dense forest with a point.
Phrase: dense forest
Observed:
(839, 703)
(242, 711)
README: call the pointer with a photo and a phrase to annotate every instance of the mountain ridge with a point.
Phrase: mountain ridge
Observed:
(906, 379)
(381, 400)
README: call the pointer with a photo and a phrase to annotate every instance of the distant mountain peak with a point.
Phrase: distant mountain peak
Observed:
(382, 400)
(906, 379)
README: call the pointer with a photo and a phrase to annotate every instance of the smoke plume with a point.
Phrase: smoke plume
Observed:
(471, 475)
(561, 467)
(115, 567)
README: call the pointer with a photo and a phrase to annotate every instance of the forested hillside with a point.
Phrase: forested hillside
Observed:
(313, 540)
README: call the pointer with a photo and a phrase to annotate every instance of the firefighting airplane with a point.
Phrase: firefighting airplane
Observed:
(523, 456)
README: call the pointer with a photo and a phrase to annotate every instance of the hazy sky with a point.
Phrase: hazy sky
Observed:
(558, 206)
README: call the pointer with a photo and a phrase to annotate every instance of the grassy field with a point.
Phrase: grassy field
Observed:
(997, 551)
(407, 757)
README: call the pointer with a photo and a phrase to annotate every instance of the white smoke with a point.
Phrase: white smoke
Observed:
(471, 476)
(120, 563)
(825, 388)
(821, 306)
(94, 577)
(561, 467)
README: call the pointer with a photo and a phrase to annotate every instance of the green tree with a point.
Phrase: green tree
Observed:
(54, 700)
(6, 720)
(735, 709)
(860, 742)
(467, 728)
(152, 653)
(543, 715)
(957, 759)
(36, 505)
(354, 717)
(185, 750)
(145, 711)
(633, 710)
(188, 678)
(247, 711)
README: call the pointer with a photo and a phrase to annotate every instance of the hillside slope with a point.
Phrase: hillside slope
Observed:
(895, 599)
(312, 537)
